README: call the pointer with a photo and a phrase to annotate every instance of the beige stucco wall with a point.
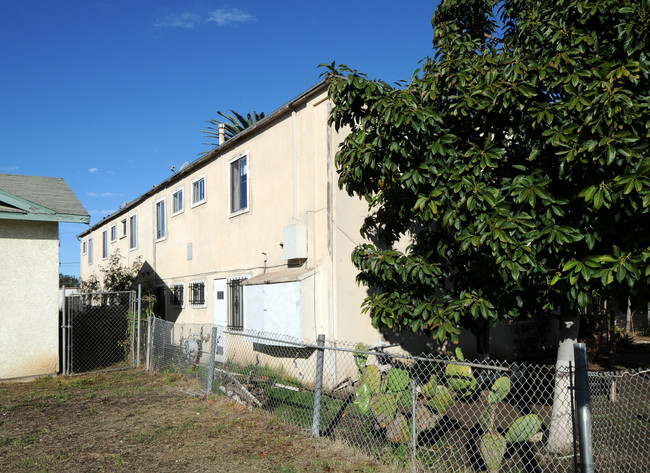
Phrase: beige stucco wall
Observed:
(29, 317)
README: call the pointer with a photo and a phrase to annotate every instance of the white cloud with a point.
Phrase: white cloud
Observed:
(102, 212)
(179, 20)
(93, 170)
(9, 168)
(224, 17)
(103, 194)
(190, 20)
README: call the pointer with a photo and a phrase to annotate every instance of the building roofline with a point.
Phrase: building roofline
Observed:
(214, 154)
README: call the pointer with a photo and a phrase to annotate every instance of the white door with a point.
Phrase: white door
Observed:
(220, 302)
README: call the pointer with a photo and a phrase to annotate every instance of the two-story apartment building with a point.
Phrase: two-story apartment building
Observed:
(255, 234)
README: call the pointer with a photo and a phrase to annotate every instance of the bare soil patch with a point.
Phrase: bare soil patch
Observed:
(147, 422)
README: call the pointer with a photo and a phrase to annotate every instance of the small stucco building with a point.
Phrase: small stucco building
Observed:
(31, 208)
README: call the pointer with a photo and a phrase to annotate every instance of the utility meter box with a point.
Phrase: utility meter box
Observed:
(295, 242)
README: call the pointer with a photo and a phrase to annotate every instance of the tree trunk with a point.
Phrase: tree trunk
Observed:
(560, 434)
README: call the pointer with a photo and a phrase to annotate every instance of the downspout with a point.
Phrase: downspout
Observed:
(294, 177)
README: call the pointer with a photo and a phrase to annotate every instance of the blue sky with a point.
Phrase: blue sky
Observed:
(109, 94)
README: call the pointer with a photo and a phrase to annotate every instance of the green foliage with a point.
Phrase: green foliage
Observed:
(515, 160)
(68, 281)
(116, 276)
(234, 124)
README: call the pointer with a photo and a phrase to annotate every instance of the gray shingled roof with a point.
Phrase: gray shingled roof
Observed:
(50, 192)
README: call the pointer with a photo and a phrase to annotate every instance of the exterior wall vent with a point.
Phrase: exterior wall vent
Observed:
(295, 242)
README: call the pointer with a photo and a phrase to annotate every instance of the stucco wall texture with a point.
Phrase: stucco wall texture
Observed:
(29, 268)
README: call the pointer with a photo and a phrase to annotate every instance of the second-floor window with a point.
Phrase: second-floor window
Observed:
(123, 226)
(239, 184)
(104, 244)
(177, 202)
(198, 191)
(161, 230)
(113, 232)
(90, 251)
(133, 232)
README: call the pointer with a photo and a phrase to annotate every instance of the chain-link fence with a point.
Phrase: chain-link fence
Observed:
(420, 413)
(98, 332)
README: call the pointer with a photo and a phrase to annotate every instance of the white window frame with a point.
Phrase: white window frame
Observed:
(124, 225)
(171, 295)
(205, 191)
(231, 162)
(105, 244)
(90, 251)
(182, 207)
(84, 247)
(205, 294)
(113, 233)
(133, 236)
(160, 232)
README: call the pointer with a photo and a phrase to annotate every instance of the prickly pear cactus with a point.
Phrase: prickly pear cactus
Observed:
(398, 430)
(429, 389)
(397, 380)
(492, 447)
(364, 394)
(372, 377)
(523, 428)
(499, 391)
(460, 379)
(360, 359)
(442, 399)
(384, 408)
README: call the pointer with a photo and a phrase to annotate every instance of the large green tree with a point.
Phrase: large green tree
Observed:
(515, 161)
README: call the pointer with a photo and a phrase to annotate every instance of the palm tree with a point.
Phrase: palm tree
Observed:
(234, 124)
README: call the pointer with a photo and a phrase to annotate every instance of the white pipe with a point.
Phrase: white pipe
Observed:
(293, 164)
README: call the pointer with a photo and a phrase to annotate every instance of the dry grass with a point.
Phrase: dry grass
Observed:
(146, 422)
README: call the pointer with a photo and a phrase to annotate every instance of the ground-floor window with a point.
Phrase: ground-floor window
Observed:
(236, 312)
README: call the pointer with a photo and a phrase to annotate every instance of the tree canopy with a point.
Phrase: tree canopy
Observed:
(515, 162)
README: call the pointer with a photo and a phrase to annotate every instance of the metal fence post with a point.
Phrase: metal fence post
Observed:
(213, 354)
(318, 388)
(139, 308)
(584, 408)
(63, 340)
(414, 417)
(148, 361)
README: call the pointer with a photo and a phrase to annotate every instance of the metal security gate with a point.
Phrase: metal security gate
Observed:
(98, 332)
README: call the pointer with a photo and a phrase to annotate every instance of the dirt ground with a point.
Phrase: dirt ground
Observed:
(147, 422)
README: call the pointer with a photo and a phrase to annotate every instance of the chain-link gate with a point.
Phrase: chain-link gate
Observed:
(99, 332)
